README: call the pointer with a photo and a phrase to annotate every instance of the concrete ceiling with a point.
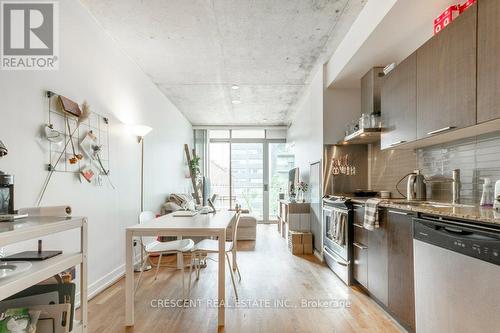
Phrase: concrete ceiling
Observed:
(196, 50)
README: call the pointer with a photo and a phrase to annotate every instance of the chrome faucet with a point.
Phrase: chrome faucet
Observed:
(457, 185)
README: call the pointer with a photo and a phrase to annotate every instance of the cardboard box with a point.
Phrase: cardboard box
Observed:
(297, 249)
(308, 248)
(307, 238)
(295, 237)
(300, 242)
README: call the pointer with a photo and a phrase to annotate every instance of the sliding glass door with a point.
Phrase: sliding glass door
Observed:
(281, 160)
(220, 173)
(247, 176)
(249, 169)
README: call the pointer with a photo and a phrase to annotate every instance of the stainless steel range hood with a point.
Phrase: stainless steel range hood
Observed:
(363, 136)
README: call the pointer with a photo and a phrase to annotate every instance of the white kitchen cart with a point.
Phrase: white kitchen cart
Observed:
(33, 228)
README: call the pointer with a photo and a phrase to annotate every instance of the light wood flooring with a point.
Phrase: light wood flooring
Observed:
(275, 287)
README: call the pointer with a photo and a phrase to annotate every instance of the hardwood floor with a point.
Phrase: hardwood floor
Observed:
(275, 285)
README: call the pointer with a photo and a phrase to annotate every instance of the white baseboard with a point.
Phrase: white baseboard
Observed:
(318, 255)
(103, 283)
(100, 285)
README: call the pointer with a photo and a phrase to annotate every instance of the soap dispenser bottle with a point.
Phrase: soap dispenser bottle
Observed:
(487, 196)
(496, 197)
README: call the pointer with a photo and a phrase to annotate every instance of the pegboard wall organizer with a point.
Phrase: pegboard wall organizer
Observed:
(73, 144)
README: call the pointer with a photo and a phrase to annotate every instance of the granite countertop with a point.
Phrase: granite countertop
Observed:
(473, 213)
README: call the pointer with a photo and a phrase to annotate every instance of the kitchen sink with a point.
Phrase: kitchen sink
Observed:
(433, 204)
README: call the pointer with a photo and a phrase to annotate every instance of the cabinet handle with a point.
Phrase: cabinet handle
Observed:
(360, 246)
(359, 225)
(358, 206)
(444, 129)
(399, 213)
(397, 143)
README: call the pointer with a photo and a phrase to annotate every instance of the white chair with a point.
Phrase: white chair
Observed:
(150, 245)
(212, 246)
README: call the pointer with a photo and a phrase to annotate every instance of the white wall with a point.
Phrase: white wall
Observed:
(306, 131)
(341, 107)
(93, 68)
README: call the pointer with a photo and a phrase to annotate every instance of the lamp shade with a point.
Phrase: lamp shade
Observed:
(141, 130)
(3, 149)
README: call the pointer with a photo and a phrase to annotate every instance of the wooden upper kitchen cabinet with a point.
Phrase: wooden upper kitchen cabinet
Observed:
(401, 299)
(370, 90)
(488, 61)
(446, 77)
(399, 104)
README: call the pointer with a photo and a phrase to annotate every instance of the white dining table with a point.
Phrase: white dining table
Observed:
(213, 224)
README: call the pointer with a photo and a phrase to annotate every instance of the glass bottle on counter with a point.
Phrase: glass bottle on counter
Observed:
(487, 196)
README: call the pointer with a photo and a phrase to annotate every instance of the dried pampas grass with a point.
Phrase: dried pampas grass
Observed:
(85, 113)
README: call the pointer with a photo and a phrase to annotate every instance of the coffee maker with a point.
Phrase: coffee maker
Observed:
(6, 187)
(6, 194)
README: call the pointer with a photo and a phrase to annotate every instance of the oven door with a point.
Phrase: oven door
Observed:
(341, 250)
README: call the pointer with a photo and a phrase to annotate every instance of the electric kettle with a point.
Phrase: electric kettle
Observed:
(415, 189)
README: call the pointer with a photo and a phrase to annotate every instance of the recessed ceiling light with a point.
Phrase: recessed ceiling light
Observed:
(235, 87)
(236, 101)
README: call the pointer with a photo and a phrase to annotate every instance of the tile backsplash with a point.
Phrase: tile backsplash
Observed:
(477, 158)
(387, 167)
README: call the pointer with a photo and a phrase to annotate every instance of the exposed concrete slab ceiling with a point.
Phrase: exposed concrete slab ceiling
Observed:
(196, 50)
(384, 32)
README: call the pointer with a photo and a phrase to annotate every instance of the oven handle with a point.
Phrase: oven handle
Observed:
(334, 257)
(331, 210)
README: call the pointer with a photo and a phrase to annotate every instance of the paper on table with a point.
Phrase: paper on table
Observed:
(184, 213)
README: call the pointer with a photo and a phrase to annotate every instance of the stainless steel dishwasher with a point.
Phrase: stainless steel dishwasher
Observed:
(457, 276)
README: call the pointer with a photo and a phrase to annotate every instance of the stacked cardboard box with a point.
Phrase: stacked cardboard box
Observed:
(300, 242)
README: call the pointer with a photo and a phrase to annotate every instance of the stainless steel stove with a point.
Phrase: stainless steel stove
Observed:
(337, 236)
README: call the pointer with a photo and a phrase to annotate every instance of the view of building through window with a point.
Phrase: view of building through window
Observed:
(220, 173)
(281, 160)
(237, 171)
(247, 170)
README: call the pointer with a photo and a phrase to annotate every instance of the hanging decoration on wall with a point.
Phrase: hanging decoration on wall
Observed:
(193, 162)
(78, 141)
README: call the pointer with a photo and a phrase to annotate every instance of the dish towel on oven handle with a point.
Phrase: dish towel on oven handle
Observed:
(337, 228)
(371, 221)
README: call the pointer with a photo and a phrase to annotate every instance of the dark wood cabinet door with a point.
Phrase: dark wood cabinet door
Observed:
(446, 77)
(488, 61)
(360, 248)
(378, 262)
(400, 267)
(399, 104)
(359, 214)
(360, 267)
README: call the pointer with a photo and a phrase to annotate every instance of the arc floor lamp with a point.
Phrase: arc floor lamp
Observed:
(141, 131)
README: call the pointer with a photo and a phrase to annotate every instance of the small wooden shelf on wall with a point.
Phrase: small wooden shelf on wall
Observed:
(296, 213)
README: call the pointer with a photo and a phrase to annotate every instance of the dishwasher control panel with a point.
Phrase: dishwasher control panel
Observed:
(458, 237)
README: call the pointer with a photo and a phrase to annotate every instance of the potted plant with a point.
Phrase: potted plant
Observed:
(302, 188)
